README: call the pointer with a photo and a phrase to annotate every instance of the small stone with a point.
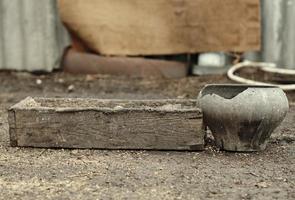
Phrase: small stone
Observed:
(90, 78)
(75, 151)
(118, 107)
(261, 184)
(182, 96)
(71, 88)
(60, 80)
(38, 81)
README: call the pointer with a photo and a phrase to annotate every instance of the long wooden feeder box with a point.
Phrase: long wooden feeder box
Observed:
(106, 124)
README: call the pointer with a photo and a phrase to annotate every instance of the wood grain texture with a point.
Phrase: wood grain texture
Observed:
(12, 128)
(159, 27)
(66, 123)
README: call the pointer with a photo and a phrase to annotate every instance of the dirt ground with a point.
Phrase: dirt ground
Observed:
(27, 173)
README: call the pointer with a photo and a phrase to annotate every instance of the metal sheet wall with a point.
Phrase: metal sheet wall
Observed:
(278, 33)
(31, 35)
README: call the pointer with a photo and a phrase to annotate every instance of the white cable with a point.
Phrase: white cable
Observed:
(269, 67)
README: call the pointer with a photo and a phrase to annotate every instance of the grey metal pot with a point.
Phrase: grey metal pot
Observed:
(242, 117)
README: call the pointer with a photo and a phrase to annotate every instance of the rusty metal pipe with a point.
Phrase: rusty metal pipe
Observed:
(87, 63)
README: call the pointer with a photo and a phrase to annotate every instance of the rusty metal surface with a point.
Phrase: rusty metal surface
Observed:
(87, 63)
(31, 35)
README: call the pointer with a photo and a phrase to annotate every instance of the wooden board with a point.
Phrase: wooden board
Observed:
(156, 27)
(106, 124)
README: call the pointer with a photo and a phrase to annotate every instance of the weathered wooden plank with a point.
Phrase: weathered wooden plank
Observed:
(12, 128)
(107, 124)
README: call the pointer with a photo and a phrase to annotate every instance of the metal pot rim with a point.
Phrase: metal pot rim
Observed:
(240, 85)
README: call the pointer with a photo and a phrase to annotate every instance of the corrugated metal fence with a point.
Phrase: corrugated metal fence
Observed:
(278, 30)
(31, 35)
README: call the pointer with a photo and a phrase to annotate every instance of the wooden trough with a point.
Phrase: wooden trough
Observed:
(106, 124)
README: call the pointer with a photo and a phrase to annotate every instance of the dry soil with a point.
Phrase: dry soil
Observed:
(27, 173)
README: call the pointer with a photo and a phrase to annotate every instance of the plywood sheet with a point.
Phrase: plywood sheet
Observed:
(138, 27)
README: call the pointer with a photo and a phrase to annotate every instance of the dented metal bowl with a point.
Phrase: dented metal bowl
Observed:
(242, 117)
